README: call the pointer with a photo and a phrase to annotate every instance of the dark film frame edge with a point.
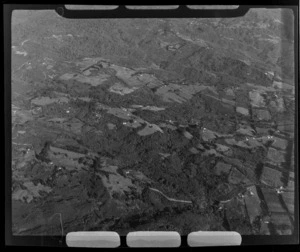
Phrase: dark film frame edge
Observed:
(59, 241)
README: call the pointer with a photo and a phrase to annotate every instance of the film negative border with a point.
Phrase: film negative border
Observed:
(61, 241)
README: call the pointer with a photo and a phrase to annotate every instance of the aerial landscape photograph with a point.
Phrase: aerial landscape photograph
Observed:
(153, 124)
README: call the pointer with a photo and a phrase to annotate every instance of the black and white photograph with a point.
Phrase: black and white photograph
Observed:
(153, 124)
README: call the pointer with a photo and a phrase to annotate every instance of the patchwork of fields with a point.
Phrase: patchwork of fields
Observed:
(155, 124)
